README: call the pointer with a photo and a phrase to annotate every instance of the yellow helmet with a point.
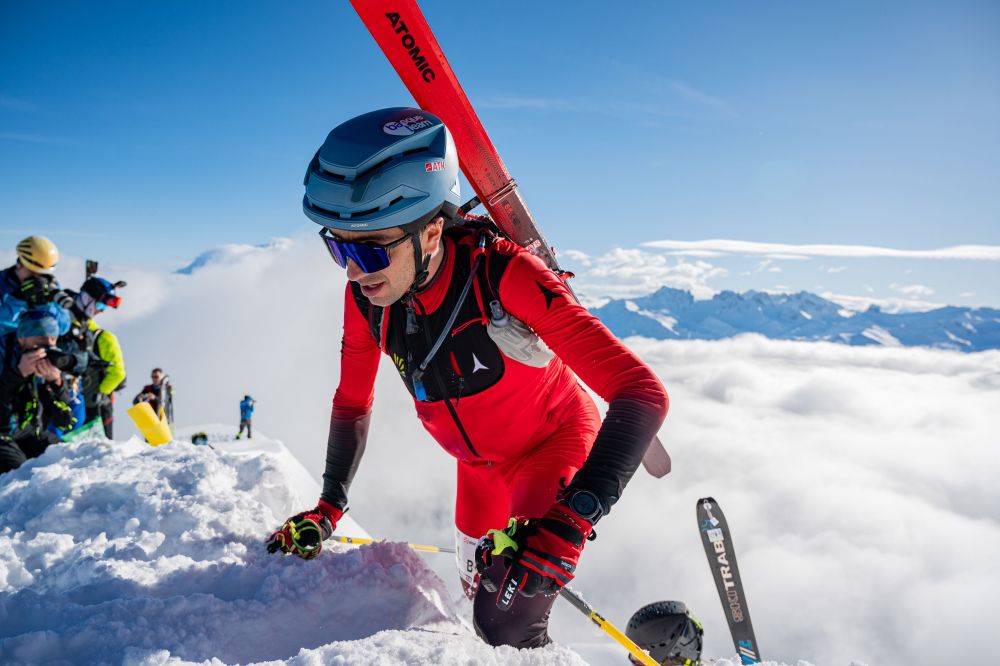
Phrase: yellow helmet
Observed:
(38, 254)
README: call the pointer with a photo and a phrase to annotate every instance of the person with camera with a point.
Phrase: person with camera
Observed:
(101, 365)
(33, 395)
(30, 283)
(159, 394)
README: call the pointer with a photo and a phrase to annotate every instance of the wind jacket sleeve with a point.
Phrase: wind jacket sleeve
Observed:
(55, 401)
(62, 317)
(352, 404)
(10, 381)
(11, 309)
(637, 401)
(110, 350)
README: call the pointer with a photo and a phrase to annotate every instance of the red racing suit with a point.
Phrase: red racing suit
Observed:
(500, 394)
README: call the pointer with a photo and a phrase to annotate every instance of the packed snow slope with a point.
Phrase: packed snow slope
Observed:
(123, 553)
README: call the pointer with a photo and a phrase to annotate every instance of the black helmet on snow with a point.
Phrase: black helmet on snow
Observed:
(666, 630)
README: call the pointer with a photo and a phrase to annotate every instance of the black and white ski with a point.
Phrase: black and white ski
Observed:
(718, 542)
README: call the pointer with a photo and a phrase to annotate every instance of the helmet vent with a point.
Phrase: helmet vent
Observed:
(335, 176)
(362, 213)
(377, 165)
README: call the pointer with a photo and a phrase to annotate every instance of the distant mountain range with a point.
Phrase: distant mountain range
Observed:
(670, 314)
(230, 254)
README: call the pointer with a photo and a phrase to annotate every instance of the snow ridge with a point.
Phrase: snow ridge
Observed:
(117, 552)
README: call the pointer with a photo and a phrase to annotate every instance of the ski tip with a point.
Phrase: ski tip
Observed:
(710, 500)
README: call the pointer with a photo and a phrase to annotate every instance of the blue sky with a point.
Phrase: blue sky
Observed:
(149, 132)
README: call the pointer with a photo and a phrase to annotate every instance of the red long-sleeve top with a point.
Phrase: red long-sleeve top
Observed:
(495, 392)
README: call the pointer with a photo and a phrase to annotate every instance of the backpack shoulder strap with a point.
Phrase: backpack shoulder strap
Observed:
(90, 336)
(373, 313)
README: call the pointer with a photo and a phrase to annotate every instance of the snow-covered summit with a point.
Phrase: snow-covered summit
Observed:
(122, 553)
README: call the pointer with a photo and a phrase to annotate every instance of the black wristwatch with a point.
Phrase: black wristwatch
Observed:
(585, 504)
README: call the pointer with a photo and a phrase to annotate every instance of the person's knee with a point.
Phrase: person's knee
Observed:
(11, 457)
(493, 633)
(496, 630)
(525, 625)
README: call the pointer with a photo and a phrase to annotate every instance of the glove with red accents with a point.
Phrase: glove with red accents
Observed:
(303, 534)
(542, 553)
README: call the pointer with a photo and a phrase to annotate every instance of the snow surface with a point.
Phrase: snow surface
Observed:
(123, 553)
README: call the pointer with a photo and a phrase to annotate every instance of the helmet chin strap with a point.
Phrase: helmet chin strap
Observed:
(421, 263)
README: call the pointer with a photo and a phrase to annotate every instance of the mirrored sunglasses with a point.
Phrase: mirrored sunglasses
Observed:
(370, 257)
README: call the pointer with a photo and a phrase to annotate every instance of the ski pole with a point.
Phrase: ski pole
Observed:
(565, 592)
(362, 541)
(608, 628)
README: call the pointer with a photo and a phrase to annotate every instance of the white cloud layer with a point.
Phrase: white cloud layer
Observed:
(912, 290)
(860, 483)
(892, 305)
(789, 251)
(622, 273)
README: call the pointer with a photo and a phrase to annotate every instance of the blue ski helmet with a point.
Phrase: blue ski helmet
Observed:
(38, 322)
(394, 167)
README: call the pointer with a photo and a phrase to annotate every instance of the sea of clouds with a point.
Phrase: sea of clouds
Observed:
(859, 482)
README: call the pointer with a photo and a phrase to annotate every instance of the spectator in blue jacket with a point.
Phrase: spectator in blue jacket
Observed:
(30, 283)
(246, 413)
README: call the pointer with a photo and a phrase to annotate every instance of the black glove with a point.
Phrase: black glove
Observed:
(38, 289)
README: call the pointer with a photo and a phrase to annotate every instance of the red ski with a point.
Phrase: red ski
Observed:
(401, 31)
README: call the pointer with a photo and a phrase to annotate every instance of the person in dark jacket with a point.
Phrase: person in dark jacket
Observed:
(33, 395)
(159, 394)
